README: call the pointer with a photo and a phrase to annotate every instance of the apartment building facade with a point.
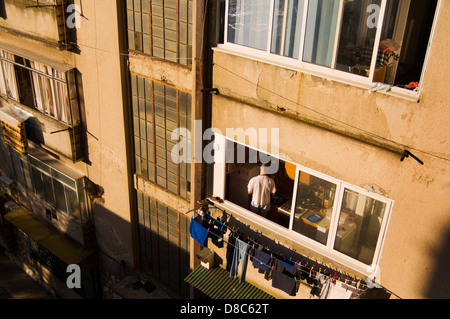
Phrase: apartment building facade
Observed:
(344, 100)
(63, 150)
(358, 157)
(98, 89)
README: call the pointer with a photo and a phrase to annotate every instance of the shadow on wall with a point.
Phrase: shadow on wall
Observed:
(5, 161)
(113, 236)
(160, 259)
(439, 282)
(3, 10)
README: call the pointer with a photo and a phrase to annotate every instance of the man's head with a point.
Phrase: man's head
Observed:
(263, 169)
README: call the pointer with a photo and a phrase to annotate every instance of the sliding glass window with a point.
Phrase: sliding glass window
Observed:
(314, 209)
(64, 193)
(358, 40)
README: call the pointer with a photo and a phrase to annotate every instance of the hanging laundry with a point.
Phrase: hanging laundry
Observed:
(284, 282)
(262, 260)
(240, 253)
(198, 232)
(284, 276)
(285, 266)
(321, 286)
(310, 278)
(302, 270)
(216, 235)
(230, 250)
(340, 291)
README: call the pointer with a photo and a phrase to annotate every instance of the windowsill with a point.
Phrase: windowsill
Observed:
(332, 75)
(293, 236)
(41, 116)
(140, 54)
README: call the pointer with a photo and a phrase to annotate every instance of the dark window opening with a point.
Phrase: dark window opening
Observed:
(242, 165)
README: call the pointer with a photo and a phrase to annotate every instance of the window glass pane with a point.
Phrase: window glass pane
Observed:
(49, 194)
(248, 23)
(287, 26)
(183, 10)
(60, 196)
(147, 46)
(73, 206)
(145, 5)
(314, 207)
(137, 22)
(38, 184)
(27, 174)
(357, 38)
(40, 165)
(17, 163)
(170, 13)
(359, 226)
(130, 20)
(320, 31)
(9, 76)
(63, 178)
(138, 165)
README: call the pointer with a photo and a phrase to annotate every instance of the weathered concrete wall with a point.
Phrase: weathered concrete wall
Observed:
(419, 229)
(39, 22)
(163, 71)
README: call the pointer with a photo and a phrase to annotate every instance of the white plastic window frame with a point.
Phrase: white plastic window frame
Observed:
(219, 186)
(317, 70)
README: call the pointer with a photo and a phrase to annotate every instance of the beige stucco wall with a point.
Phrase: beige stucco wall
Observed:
(38, 22)
(419, 229)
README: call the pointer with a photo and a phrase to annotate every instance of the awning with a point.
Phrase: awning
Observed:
(62, 247)
(216, 283)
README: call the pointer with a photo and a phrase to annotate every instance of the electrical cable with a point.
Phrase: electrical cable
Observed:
(331, 118)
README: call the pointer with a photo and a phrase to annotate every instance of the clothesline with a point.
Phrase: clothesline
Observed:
(352, 284)
(361, 284)
(289, 260)
(311, 285)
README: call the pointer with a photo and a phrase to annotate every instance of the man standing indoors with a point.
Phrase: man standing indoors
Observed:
(261, 187)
